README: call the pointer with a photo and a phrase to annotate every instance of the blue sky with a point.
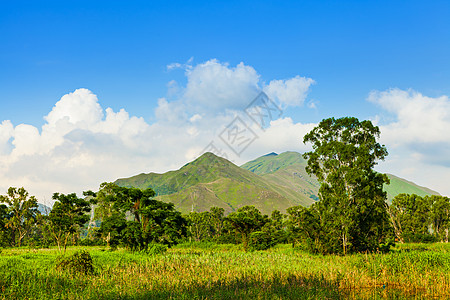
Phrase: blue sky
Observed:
(120, 53)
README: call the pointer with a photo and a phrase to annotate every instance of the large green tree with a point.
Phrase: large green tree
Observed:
(440, 216)
(245, 221)
(304, 227)
(109, 211)
(4, 216)
(411, 217)
(199, 225)
(68, 215)
(133, 217)
(352, 210)
(22, 211)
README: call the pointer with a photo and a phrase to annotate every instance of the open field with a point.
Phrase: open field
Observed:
(210, 271)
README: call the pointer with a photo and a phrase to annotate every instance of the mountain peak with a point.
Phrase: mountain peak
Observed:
(270, 154)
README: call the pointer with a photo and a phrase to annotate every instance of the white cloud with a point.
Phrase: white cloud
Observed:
(79, 108)
(82, 144)
(213, 86)
(290, 92)
(282, 135)
(195, 118)
(416, 133)
(419, 119)
(186, 65)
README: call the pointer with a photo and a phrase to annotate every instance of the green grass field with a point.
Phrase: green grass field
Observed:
(210, 271)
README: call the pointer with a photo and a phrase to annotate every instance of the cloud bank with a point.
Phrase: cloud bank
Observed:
(416, 130)
(83, 144)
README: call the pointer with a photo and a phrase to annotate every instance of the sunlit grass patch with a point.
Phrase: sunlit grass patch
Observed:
(207, 271)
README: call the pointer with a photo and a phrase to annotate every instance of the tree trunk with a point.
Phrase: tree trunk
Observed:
(65, 242)
(245, 241)
(344, 243)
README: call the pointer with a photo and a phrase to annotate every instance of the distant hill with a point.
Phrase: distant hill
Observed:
(269, 182)
(43, 209)
(288, 169)
(399, 185)
(214, 181)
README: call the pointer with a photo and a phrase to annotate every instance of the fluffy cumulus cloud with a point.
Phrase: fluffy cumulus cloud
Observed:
(415, 128)
(214, 86)
(290, 92)
(418, 118)
(83, 144)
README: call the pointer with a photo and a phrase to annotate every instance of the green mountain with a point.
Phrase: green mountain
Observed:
(214, 181)
(269, 182)
(288, 169)
(399, 185)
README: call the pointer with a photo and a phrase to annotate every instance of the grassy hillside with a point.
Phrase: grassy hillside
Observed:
(269, 182)
(214, 181)
(273, 162)
(288, 169)
(399, 185)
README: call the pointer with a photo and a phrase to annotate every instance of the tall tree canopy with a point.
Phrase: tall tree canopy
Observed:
(21, 211)
(151, 220)
(68, 215)
(352, 210)
(245, 221)
(440, 216)
(420, 219)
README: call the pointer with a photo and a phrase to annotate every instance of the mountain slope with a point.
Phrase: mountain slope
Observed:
(269, 182)
(214, 181)
(288, 169)
(399, 185)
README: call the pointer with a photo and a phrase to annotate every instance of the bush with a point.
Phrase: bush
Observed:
(91, 242)
(78, 263)
(154, 249)
(419, 238)
(261, 240)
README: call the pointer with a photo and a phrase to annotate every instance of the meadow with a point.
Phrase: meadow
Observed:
(213, 271)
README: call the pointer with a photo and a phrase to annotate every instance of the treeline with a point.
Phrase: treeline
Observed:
(131, 218)
(420, 219)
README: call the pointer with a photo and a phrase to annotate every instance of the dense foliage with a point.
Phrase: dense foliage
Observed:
(420, 219)
(351, 215)
(68, 215)
(132, 217)
(19, 215)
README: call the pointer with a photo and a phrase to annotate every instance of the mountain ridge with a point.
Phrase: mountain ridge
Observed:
(272, 181)
(216, 180)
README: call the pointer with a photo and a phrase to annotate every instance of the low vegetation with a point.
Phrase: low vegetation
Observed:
(213, 271)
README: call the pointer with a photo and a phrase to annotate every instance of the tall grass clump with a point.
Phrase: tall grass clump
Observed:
(78, 263)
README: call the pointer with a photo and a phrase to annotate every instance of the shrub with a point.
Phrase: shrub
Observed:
(78, 263)
(261, 240)
(154, 249)
(419, 238)
(91, 242)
